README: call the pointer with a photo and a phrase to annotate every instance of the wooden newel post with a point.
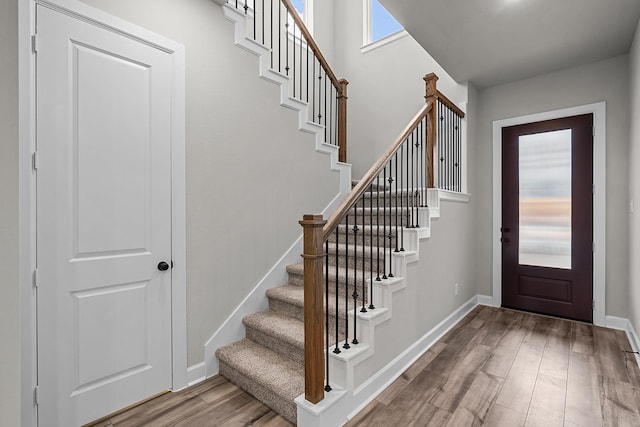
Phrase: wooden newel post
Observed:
(342, 121)
(313, 255)
(432, 123)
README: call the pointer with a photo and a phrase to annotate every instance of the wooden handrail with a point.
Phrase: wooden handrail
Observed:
(312, 44)
(339, 84)
(363, 184)
(449, 103)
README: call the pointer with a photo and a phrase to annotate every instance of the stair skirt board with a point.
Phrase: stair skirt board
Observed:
(232, 329)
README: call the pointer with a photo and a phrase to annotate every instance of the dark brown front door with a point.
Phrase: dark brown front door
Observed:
(547, 217)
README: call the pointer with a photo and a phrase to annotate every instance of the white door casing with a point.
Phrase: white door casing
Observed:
(599, 112)
(103, 219)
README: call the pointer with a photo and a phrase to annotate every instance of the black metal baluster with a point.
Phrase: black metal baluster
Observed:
(300, 71)
(346, 287)
(271, 30)
(306, 81)
(371, 247)
(459, 157)
(355, 270)
(423, 164)
(378, 226)
(263, 16)
(390, 233)
(416, 191)
(286, 42)
(397, 195)
(402, 213)
(450, 147)
(246, 6)
(336, 350)
(321, 99)
(327, 387)
(333, 138)
(325, 105)
(293, 49)
(440, 146)
(255, 18)
(384, 222)
(364, 235)
(413, 167)
(313, 93)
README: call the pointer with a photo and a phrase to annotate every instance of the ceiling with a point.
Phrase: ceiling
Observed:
(490, 42)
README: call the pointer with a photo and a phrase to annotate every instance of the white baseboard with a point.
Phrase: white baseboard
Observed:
(486, 300)
(624, 324)
(341, 405)
(196, 373)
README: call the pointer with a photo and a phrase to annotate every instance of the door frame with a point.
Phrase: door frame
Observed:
(27, 189)
(599, 111)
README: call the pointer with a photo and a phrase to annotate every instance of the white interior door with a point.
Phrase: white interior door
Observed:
(103, 220)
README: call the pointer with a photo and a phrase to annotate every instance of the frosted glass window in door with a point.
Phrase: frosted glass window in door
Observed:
(545, 199)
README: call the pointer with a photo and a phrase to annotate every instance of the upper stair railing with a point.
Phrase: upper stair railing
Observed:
(446, 138)
(346, 254)
(277, 25)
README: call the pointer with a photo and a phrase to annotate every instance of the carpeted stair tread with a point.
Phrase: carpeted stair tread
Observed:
(278, 332)
(296, 276)
(293, 295)
(270, 377)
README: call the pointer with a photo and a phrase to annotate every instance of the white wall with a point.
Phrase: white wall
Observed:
(634, 185)
(251, 174)
(9, 290)
(602, 81)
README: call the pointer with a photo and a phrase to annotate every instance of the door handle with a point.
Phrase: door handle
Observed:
(505, 229)
(163, 266)
(504, 240)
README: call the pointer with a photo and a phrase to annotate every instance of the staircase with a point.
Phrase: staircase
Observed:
(372, 236)
(269, 362)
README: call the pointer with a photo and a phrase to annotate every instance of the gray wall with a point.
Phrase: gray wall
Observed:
(385, 92)
(602, 81)
(386, 86)
(634, 184)
(251, 174)
(9, 295)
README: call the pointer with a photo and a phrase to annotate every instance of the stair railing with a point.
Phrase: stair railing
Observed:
(445, 142)
(277, 25)
(346, 254)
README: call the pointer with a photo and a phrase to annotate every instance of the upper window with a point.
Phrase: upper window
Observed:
(299, 5)
(379, 23)
(304, 8)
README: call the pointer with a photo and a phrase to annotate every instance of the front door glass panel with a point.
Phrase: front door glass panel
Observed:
(545, 199)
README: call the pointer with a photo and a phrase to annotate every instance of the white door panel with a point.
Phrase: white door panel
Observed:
(103, 220)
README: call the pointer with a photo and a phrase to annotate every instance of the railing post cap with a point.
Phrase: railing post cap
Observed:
(430, 76)
(310, 219)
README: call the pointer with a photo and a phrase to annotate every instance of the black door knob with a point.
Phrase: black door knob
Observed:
(163, 266)
(505, 229)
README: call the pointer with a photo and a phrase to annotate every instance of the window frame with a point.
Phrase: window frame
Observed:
(367, 25)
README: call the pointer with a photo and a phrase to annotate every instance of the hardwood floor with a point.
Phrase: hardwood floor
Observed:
(497, 367)
(507, 368)
(214, 402)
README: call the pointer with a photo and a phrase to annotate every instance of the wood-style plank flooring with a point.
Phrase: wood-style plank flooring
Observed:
(497, 367)
(508, 368)
(214, 402)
